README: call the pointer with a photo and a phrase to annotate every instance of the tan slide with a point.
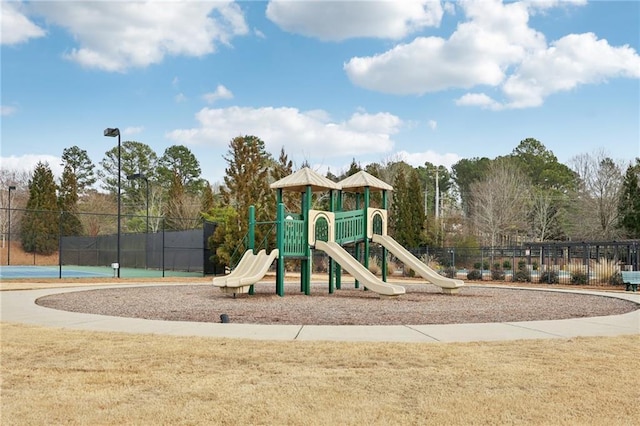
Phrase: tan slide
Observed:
(448, 285)
(249, 271)
(357, 270)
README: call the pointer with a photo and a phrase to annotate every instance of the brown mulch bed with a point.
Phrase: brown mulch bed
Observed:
(422, 304)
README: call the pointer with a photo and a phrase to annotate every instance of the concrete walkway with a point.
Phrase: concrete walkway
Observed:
(19, 306)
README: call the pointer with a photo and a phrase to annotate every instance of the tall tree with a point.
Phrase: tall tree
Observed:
(180, 160)
(39, 229)
(136, 157)
(407, 213)
(81, 166)
(596, 204)
(281, 169)
(629, 206)
(465, 173)
(207, 200)
(246, 183)
(182, 210)
(499, 202)
(70, 223)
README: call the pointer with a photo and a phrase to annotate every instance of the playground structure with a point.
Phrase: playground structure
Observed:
(298, 233)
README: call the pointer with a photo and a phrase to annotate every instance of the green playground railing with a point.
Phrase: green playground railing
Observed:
(349, 226)
(294, 236)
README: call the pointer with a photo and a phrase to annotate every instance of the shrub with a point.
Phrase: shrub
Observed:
(374, 266)
(522, 265)
(497, 274)
(496, 265)
(579, 277)
(549, 277)
(506, 264)
(449, 272)
(475, 275)
(535, 266)
(616, 279)
(522, 276)
(477, 265)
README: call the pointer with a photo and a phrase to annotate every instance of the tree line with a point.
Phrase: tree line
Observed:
(527, 195)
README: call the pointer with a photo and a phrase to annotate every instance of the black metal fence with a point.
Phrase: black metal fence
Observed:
(96, 242)
(585, 262)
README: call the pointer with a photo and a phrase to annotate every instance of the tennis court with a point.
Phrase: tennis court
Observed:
(70, 271)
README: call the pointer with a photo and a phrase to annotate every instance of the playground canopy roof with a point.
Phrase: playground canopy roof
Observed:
(359, 181)
(300, 180)
(304, 177)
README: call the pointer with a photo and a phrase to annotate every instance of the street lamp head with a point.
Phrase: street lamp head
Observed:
(12, 188)
(112, 132)
(136, 176)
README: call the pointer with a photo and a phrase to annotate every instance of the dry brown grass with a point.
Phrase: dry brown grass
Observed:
(52, 376)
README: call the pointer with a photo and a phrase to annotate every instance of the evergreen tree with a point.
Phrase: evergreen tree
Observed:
(68, 203)
(629, 206)
(81, 166)
(180, 160)
(39, 229)
(246, 183)
(401, 219)
(283, 168)
(207, 200)
(414, 204)
(180, 209)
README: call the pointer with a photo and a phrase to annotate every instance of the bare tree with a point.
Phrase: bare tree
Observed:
(500, 202)
(596, 204)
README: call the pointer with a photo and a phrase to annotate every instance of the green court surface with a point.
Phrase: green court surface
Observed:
(73, 271)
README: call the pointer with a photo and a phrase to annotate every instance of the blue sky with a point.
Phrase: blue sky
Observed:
(329, 81)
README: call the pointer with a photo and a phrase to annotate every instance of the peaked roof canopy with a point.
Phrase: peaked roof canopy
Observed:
(304, 177)
(358, 181)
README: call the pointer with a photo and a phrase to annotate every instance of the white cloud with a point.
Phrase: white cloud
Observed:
(116, 36)
(221, 92)
(495, 47)
(340, 20)
(6, 110)
(180, 97)
(15, 26)
(416, 159)
(301, 133)
(27, 163)
(433, 124)
(477, 99)
(129, 131)
(571, 61)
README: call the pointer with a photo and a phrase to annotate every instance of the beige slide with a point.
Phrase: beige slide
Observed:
(357, 270)
(250, 270)
(448, 285)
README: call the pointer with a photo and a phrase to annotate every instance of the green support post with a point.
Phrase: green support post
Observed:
(331, 263)
(280, 246)
(357, 244)
(252, 235)
(306, 262)
(252, 228)
(384, 250)
(338, 268)
(366, 239)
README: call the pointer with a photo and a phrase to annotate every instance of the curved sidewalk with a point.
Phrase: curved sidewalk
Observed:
(18, 306)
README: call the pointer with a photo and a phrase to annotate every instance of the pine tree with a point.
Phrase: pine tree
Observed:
(246, 183)
(207, 201)
(68, 203)
(39, 231)
(629, 206)
(283, 168)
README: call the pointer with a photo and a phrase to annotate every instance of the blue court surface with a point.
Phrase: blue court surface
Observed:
(15, 272)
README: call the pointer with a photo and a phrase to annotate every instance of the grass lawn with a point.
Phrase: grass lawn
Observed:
(54, 376)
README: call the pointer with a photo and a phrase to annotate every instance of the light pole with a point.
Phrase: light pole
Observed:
(11, 188)
(112, 132)
(146, 180)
